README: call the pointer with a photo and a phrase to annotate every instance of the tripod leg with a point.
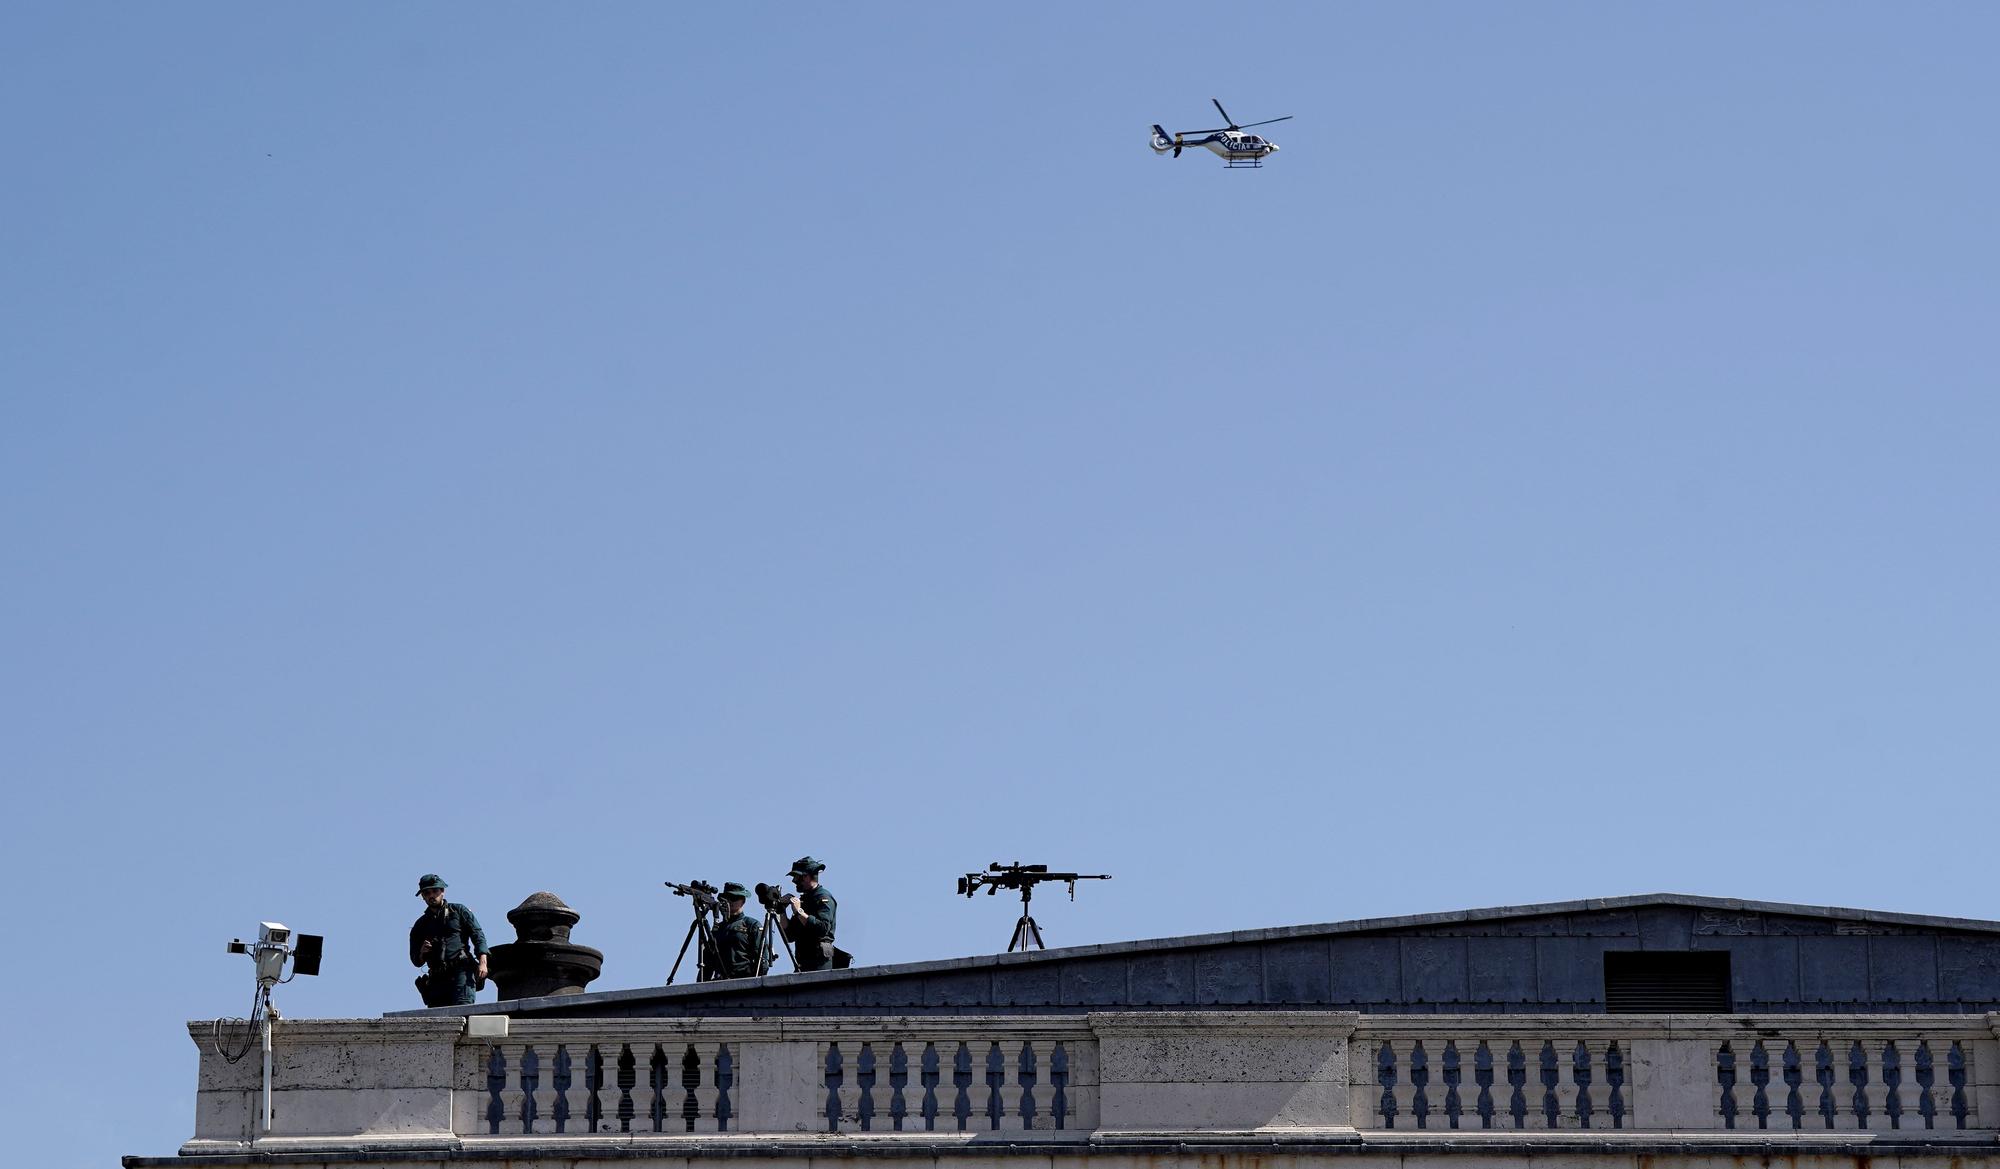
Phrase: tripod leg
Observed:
(1036, 930)
(704, 962)
(684, 953)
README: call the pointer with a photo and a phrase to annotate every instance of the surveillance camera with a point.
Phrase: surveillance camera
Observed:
(237, 946)
(272, 933)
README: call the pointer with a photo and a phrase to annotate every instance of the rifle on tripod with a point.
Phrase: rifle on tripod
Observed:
(1024, 878)
(706, 905)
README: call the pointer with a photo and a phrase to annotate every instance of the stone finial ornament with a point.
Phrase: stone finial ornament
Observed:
(541, 960)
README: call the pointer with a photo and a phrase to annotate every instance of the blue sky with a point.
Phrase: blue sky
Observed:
(575, 448)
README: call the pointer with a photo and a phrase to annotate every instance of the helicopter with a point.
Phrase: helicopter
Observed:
(1238, 150)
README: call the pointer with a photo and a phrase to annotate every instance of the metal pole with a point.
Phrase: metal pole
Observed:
(266, 1020)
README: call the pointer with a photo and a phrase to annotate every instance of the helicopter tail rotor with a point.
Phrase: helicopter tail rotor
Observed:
(1162, 141)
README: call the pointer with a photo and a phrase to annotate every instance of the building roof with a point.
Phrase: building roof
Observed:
(1544, 957)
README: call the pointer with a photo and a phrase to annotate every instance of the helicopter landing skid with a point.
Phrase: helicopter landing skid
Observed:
(1243, 164)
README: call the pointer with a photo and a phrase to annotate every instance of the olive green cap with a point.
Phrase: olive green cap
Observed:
(429, 881)
(735, 889)
(806, 866)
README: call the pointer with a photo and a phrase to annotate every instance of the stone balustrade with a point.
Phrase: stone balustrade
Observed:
(1896, 1073)
(431, 1082)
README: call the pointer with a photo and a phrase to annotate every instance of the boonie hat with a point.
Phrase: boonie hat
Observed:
(806, 866)
(735, 889)
(429, 881)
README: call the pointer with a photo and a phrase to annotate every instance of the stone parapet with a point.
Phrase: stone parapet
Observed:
(1101, 1083)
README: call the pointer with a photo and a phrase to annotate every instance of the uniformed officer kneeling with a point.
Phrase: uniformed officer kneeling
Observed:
(448, 940)
(738, 937)
(808, 921)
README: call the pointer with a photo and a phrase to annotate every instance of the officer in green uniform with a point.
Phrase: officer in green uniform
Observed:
(809, 920)
(446, 939)
(738, 936)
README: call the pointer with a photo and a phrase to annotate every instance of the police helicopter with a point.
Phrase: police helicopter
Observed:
(1237, 149)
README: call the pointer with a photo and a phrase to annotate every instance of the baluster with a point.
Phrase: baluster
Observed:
(1014, 1114)
(1859, 1110)
(1031, 1071)
(1795, 1078)
(899, 1080)
(993, 1068)
(1062, 1113)
(707, 1091)
(1725, 1083)
(548, 1097)
(661, 1112)
(1827, 1102)
(1517, 1084)
(563, 1078)
(1407, 1086)
(1958, 1073)
(1451, 1073)
(1482, 1075)
(1892, 1084)
(1760, 1084)
(1386, 1105)
(879, 1119)
(549, 1110)
(1420, 1082)
(1925, 1075)
(934, 1105)
(1592, 1104)
(880, 1055)
(729, 1084)
(852, 1090)
(1876, 1089)
(628, 1081)
(1614, 1083)
(593, 1085)
(498, 1070)
(963, 1112)
(842, 1093)
(1556, 1090)
(865, 1076)
(533, 1094)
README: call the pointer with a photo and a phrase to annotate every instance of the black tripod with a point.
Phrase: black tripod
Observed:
(767, 957)
(703, 895)
(698, 928)
(1025, 930)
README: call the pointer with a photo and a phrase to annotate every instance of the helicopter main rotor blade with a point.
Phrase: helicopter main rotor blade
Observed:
(1268, 121)
(1225, 114)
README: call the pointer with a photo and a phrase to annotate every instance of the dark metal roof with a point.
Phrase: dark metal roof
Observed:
(1515, 958)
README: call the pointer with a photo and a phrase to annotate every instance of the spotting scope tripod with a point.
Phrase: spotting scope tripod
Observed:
(705, 903)
(774, 900)
(1023, 877)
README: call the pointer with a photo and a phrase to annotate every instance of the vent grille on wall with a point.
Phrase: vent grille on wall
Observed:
(1651, 983)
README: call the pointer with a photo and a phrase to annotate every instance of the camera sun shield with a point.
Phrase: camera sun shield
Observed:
(305, 955)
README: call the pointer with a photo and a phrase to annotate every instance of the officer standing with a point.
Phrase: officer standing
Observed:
(809, 920)
(446, 939)
(738, 936)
